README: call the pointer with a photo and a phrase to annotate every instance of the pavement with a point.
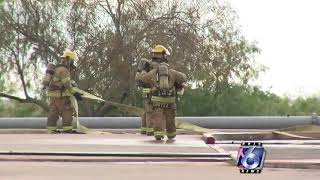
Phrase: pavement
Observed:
(140, 171)
(283, 160)
(100, 143)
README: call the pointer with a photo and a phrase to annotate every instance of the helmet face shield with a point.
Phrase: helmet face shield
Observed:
(157, 55)
(156, 59)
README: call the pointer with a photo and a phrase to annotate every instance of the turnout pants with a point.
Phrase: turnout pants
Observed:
(60, 106)
(147, 123)
(164, 122)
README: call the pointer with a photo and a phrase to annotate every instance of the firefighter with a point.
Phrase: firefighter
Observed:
(165, 83)
(58, 81)
(146, 124)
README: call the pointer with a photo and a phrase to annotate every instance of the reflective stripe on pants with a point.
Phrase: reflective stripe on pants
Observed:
(52, 128)
(159, 134)
(171, 135)
(146, 90)
(67, 128)
(143, 129)
(149, 130)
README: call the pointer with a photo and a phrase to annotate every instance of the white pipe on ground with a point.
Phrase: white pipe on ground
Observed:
(217, 122)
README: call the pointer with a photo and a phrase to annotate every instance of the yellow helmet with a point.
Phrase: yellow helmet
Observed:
(160, 49)
(71, 54)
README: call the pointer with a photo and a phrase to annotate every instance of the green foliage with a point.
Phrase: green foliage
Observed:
(305, 106)
(233, 101)
(9, 108)
(243, 101)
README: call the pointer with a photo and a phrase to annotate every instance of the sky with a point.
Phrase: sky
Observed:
(288, 34)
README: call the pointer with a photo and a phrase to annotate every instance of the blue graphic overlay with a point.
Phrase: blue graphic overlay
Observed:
(251, 156)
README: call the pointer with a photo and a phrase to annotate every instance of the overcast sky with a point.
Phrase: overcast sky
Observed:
(288, 33)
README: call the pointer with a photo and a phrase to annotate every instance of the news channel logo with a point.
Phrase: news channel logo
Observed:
(251, 156)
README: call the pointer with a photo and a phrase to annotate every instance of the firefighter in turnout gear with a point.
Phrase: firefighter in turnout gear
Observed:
(58, 81)
(146, 124)
(165, 83)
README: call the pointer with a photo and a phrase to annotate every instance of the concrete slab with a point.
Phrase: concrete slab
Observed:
(100, 143)
(279, 154)
(282, 151)
(139, 171)
(37, 158)
(293, 163)
(91, 131)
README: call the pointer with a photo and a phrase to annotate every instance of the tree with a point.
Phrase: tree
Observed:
(235, 101)
(110, 37)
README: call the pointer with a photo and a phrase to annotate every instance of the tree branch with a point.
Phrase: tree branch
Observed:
(20, 71)
(13, 98)
(40, 103)
(32, 38)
